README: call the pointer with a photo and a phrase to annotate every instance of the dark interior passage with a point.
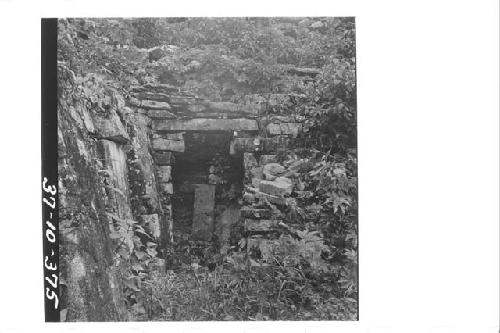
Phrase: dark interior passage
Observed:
(204, 165)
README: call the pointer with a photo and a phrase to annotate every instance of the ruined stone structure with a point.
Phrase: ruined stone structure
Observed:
(155, 161)
(187, 132)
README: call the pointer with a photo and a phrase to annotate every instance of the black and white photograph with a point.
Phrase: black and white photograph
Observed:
(207, 169)
(250, 167)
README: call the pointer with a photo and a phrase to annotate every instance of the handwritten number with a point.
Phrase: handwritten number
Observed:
(50, 204)
(52, 283)
(49, 189)
(49, 266)
(52, 296)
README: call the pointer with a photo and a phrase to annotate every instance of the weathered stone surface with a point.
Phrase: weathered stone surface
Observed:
(200, 124)
(249, 161)
(223, 224)
(203, 220)
(164, 173)
(152, 223)
(248, 197)
(141, 166)
(152, 96)
(274, 169)
(160, 114)
(166, 188)
(168, 145)
(164, 158)
(155, 105)
(196, 108)
(239, 145)
(110, 128)
(150, 104)
(256, 213)
(281, 186)
(292, 129)
(265, 159)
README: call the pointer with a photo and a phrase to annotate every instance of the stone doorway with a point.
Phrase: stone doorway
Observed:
(207, 183)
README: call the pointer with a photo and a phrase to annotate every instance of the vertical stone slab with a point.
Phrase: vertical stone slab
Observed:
(203, 216)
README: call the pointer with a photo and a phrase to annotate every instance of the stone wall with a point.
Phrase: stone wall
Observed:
(107, 188)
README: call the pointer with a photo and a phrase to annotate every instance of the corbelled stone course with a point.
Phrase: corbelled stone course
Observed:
(199, 124)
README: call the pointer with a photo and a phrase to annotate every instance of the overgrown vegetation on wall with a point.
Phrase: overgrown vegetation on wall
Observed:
(293, 67)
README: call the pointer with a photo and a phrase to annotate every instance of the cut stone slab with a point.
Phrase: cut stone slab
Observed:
(164, 173)
(204, 204)
(281, 186)
(164, 158)
(166, 188)
(292, 129)
(149, 104)
(203, 124)
(168, 145)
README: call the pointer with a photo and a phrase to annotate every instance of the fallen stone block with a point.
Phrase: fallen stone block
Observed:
(281, 186)
(168, 145)
(274, 169)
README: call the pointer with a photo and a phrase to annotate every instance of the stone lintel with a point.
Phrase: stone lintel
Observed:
(203, 124)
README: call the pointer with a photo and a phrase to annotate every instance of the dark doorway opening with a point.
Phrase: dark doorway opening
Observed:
(208, 182)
